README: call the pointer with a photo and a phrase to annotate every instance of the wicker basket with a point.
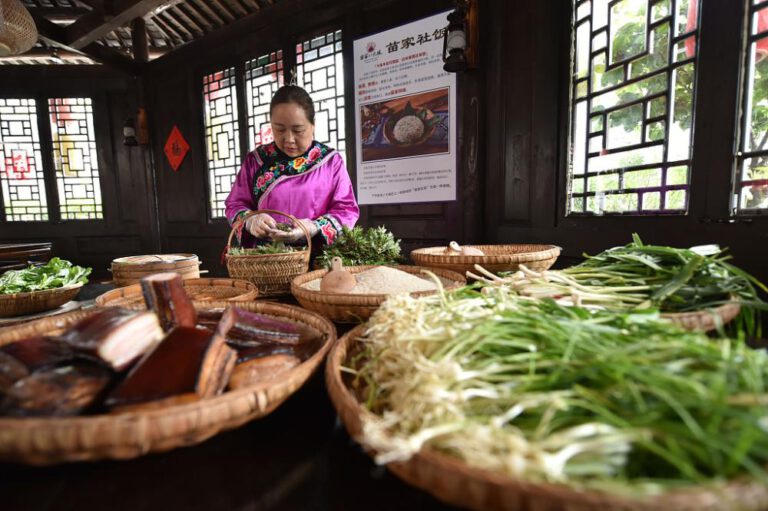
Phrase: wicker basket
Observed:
(705, 320)
(36, 301)
(497, 258)
(453, 481)
(200, 290)
(271, 273)
(353, 308)
(44, 441)
(130, 270)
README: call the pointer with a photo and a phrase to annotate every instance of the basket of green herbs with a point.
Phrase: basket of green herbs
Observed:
(490, 398)
(361, 246)
(270, 267)
(697, 286)
(40, 288)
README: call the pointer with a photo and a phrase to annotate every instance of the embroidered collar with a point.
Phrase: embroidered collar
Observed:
(276, 163)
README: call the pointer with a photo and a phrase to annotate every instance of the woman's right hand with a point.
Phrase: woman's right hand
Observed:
(260, 225)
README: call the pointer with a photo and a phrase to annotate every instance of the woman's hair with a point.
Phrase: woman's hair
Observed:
(294, 94)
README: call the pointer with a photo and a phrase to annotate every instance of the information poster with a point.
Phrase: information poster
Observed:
(405, 115)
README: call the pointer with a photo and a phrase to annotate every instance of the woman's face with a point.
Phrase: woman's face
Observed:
(292, 130)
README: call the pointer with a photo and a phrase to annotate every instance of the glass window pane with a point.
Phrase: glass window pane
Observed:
(222, 136)
(21, 163)
(75, 158)
(634, 123)
(751, 179)
(263, 76)
(321, 72)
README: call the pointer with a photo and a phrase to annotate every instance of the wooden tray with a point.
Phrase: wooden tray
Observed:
(45, 441)
(202, 290)
(353, 308)
(453, 481)
(497, 258)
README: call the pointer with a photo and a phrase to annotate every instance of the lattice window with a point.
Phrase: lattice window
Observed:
(751, 180)
(222, 140)
(75, 158)
(633, 77)
(320, 71)
(21, 167)
(263, 76)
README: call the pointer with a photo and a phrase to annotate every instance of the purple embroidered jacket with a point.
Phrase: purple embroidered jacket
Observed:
(323, 193)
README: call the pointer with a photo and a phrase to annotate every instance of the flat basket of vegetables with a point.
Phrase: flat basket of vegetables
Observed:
(496, 401)
(496, 258)
(695, 287)
(271, 267)
(40, 288)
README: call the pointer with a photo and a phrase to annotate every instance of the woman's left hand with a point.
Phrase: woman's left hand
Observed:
(296, 233)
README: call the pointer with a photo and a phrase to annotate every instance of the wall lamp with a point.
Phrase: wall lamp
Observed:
(461, 38)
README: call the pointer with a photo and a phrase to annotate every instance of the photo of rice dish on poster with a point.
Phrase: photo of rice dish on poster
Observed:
(407, 126)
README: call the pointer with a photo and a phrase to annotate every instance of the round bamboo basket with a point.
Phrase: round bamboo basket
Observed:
(200, 290)
(271, 273)
(453, 481)
(19, 304)
(353, 308)
(45, 441)
(497, 258)
(130, 270)
(705, 320)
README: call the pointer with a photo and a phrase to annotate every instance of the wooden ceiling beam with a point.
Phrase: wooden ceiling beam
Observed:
(184, 22)
(201, 18)
(115, 14)
(216, 20)
(55, 35)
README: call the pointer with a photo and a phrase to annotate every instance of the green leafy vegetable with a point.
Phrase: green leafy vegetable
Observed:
(362, 246)
(622, 401)
(275, 247)
(55, 273)
(640, 276)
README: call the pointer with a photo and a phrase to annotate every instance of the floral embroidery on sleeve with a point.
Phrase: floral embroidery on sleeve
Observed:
(238, 220)
(329, 228)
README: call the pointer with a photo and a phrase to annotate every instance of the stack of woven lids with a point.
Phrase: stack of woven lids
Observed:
(130, 270)
(14, 256)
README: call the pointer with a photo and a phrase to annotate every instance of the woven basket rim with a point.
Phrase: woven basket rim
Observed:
(124, 260)
(41, 292)
(544, 252)
(298, 290)
(346, 403)
(247, 396)
(134, 290)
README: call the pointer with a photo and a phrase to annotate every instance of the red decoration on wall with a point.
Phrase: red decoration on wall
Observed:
(176, 148)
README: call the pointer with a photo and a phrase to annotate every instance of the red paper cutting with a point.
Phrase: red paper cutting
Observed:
(176, 148)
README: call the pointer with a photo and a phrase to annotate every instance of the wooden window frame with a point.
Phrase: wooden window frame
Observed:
(46, 150)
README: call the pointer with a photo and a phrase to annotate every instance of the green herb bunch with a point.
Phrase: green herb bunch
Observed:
(359, 246)
(275, 247)
(637, 276)
(55, 273)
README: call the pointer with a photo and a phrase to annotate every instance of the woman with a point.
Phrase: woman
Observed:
(295, 174)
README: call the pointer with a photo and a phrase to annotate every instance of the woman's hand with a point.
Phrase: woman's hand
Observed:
(296, 233)
(260, 225)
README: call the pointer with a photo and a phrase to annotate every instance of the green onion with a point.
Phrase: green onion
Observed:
(623, 401)
(639, 276)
